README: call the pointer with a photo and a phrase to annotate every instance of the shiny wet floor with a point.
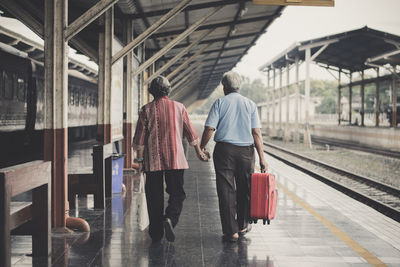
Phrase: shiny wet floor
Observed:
(315, 226)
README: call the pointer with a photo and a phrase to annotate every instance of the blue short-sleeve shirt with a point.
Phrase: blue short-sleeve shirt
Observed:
(233, 116)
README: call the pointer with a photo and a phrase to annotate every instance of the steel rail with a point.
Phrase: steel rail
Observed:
(344, 144)
(376, 204)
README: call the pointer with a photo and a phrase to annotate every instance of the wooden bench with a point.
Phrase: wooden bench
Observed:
(32, 219)
(98, 182)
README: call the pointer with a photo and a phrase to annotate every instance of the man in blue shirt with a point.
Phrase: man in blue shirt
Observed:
(235, 120)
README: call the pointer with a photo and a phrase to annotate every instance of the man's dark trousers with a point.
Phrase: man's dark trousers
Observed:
(233, 168)
(155, 199)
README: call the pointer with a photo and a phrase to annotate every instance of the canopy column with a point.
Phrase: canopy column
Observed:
(394, 94)
(307, 135)
(56, 107)
(287, 126)
(280, 103)
(105, 74)
(128, 97)
(350, 96)
(273, 100)
(339, 102)
(362, 98)
(377, 101)
(297, 101)
(268, 100)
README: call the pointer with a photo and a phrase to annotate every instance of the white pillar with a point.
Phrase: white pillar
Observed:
(339, 105)
(273, 100)
(350, 96)
(268, 100)
(280, 102)
(394, 94)
(287, 126)
(297, 96)
(377, 98)
(307, 134)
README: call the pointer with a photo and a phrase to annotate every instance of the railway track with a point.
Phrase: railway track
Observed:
(387, 153)
(382, 197)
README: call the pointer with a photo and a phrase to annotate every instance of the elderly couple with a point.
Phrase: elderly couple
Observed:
(158, 141)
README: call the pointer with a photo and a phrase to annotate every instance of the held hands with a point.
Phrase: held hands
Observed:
(202, 154)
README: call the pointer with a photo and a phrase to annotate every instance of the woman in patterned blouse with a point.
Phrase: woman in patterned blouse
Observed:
(158, 141)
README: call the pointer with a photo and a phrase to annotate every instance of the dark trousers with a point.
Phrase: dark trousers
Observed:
(155, 199)
(233, 168)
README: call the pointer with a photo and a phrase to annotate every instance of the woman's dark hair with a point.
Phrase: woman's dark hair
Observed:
(159, 86)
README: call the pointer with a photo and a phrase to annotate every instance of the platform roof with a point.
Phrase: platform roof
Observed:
(237, 26)
(348, 50)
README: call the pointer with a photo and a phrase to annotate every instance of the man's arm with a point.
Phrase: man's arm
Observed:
(207, 133)
(256, 132)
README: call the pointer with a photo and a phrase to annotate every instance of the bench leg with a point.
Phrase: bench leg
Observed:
(5, 235)
(98, 172)
(108, 176)
(41, 236)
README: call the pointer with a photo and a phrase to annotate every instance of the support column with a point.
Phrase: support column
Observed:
(273, 101)
(362, 111)
(394, 94)
(297, 100)
(280, 102)
(128, 98)
(339, 105)
(287, 127)
(307, 135)
(268, 101)
(104, 81)
(350, 96)
(56, 107)
(377, 104)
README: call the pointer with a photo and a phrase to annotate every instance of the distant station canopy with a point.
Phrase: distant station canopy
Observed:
(295, 2)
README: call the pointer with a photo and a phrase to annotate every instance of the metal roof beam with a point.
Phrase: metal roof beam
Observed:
(177, 57)
(189, 8)
(246, 35)
(186, 71)
(176, 40)
(150, 30)
(37, 27)
(86, 18)
(214, 25)
(191, 69)
(213, 51)
(317, 44)
(184, 64)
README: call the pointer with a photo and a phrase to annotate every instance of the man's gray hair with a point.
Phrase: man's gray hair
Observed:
(231, 81)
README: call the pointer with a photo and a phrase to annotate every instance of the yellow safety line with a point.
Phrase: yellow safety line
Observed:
(370, 258)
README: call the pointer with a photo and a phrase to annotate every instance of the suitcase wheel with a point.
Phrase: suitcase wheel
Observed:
(255, 221)
(268, 221)
(264, 221)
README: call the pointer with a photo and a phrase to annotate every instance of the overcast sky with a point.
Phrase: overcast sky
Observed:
(303, 23)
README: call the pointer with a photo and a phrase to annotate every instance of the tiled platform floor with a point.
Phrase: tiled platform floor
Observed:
(301, 235)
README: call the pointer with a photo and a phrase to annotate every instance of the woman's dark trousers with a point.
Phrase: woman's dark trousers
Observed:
(155, 199)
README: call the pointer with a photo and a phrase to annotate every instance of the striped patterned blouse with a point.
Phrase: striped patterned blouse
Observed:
(159, 131)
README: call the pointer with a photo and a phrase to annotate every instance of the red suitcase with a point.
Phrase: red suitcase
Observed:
(263, 197)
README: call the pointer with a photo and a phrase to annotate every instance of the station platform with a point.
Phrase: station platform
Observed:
(315, 226)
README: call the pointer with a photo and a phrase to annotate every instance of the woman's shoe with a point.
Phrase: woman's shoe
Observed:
(169, 230)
